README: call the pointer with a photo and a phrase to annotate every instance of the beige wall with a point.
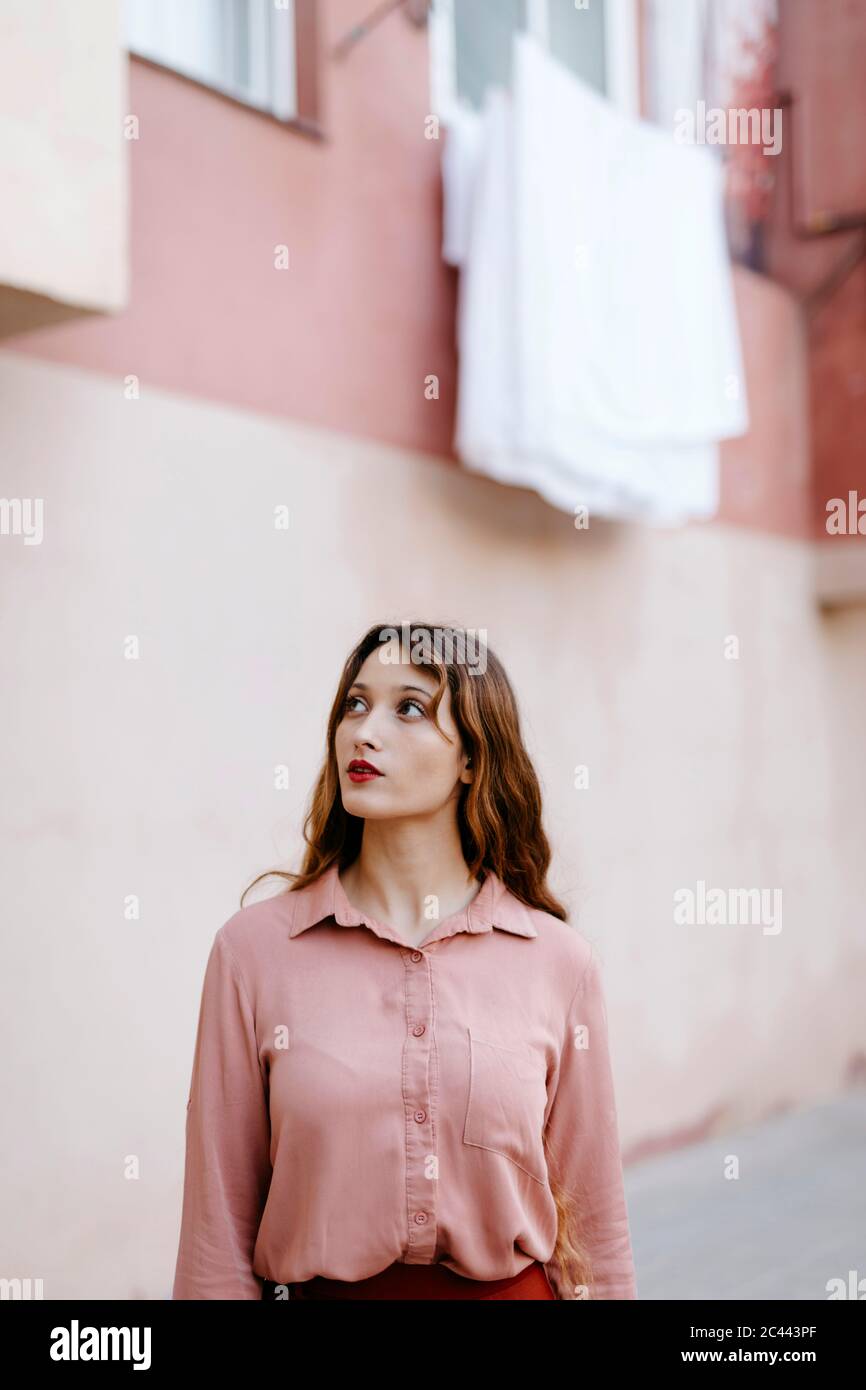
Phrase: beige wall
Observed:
(155, 777)
(63, 161)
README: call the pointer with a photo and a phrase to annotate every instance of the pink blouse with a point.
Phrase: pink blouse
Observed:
(355, 1101)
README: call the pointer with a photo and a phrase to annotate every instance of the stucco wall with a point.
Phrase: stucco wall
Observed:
(154, 777)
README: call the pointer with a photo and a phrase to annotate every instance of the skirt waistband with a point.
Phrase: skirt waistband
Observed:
(420, 1281)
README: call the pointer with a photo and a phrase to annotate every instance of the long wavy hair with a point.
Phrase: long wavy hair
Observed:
(499, 818)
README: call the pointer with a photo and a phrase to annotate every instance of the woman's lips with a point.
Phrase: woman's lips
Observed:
(363, 774)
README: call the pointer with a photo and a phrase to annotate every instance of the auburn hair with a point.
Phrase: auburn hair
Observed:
(499, 819)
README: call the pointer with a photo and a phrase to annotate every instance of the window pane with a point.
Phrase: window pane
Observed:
(577, 39)
(241, 22)
(244, 48)
(483, 32)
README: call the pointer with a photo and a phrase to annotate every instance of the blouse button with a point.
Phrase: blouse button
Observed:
(416, 955)
(418, 1029)
(420, 1218)
(420, 1116)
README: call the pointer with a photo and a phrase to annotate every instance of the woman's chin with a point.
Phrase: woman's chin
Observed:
(364, 801)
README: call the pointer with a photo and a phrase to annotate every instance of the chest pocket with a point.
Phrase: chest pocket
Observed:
(507, 1101)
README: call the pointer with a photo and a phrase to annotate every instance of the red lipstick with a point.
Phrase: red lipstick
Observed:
(361, 771)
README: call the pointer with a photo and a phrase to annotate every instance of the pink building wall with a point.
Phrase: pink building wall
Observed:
(346, 336)
(305, 388)
(822, 176)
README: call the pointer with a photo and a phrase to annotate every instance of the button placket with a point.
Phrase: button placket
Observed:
(418, 1102)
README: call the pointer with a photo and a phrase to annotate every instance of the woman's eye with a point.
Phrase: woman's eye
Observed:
(415, 705)
(418, 706)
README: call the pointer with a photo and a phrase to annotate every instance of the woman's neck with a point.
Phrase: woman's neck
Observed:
(409, 887)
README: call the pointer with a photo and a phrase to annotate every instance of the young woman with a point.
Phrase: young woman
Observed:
(401, 1085)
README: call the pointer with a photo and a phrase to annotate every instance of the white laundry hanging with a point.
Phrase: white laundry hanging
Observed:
(599, 356)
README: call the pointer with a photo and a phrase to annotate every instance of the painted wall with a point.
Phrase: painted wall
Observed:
(822, 177)
(346, 336)
(155, 777)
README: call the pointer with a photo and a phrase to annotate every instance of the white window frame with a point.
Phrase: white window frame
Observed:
(622, 68)
(198, 39)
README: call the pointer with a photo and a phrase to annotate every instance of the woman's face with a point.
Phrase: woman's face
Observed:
(387, 722)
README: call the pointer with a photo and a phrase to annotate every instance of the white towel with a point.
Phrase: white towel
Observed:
(599, 358)
(459, 169)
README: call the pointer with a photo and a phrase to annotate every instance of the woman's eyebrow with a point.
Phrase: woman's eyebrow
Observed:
(359, 685)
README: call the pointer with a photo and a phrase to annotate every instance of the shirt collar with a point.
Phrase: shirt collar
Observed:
(493, 906)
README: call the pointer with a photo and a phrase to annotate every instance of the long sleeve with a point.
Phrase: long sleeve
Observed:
(583, 1139)
(227, 1168)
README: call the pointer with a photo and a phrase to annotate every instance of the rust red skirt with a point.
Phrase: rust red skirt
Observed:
(422, 1281)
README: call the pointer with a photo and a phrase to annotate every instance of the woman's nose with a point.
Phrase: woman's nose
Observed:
(366, 733)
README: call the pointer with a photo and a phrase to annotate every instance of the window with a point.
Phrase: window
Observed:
(243, 48)
(471, 46)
